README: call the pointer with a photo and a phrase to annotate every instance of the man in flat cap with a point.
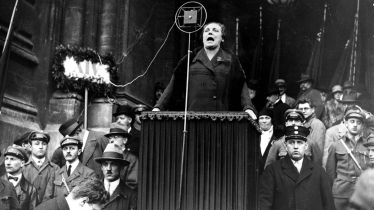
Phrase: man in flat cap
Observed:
(125, 116)
(370, 147)
(347, 158)
(293, 117)
(90, 195)
(295, 182)
(8, 196)
(93, 145)
(15, 159)
(38, 170)
(119, 136)
(282, 92)
(70, 175)
(112, 163)
(334, 110)
(307, 91)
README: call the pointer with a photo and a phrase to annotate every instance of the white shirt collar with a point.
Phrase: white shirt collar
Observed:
(265, 139)
(73, 165)
(283, 98)
(129, 129)
(14, 182)
(36, 160)
(113, 185)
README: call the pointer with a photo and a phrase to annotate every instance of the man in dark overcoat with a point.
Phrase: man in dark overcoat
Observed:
(295, 182)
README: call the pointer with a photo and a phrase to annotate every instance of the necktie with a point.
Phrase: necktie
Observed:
(69, 170)
(108, 188)
(297, 165)
(13, 177)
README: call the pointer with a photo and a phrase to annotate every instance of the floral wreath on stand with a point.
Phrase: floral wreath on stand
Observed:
(75, 69)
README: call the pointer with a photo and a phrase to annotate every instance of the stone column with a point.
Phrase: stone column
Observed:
(73, 24)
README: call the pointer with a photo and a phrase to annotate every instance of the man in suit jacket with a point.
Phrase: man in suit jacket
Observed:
(70, 175)
(121, 196)
(93, 146)
(282, 92)
(295, 182)
(90, 194)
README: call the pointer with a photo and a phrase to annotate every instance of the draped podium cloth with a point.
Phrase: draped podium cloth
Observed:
(220, 166)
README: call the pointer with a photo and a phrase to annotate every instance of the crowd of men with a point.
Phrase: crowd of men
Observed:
(90, 170)
(314, 156)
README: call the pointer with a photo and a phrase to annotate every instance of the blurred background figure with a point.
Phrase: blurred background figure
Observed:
(363, 195)
(334, 110)
(159, 90)
(282, 86)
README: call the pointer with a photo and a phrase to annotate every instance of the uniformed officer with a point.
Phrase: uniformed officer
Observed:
(70, 175)
(347, 158)
(278, 150)
(38, 170)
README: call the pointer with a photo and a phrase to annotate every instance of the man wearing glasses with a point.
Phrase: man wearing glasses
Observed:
(316, 126)
(295, 182)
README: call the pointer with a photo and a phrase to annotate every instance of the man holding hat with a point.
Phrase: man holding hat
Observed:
(112, 163)
(38, 170)
(125, 116)
(293, 117)
(93, 145)
(347, 158)
(119, 136)
(70, 175)
(279, 108)
(306, 91)
(15, 159)
(282, 92)
(334, 110)
(295, 182)
(265, 118)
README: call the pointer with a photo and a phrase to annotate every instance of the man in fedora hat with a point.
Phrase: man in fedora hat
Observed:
(346, 158)
(306, 91)
(93, 145)
(278, 107)
(138, 109)
(282, 92)
(15, 159)
(70, 175)
(278, 150)
(295, 182)
(112, 163)
(125, 116)
(38, 170)
(119, 136)
(334, 110)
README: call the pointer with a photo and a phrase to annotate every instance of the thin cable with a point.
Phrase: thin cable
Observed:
(149, 63)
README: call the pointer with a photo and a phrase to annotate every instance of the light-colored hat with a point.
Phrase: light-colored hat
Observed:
(112, 152)
(117, 129)
(354, 113)
(370, 141)
(71, 140)
(280, 82)
(337, 88)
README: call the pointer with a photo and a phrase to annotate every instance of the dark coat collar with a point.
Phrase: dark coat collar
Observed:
(291, 171)
(77, 172)
(22, 183)
(44, 165)
(121, 190)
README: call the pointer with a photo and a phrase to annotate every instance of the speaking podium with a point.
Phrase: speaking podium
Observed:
(220, 161)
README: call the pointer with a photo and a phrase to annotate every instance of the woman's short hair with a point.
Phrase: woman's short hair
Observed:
(223, 29)
(93, 189)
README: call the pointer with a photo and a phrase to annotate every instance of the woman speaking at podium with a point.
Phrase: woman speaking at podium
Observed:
(216, 82)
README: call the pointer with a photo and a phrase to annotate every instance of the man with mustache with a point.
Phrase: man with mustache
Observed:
(216, 80)
(38, 170)
(295, 182)
(70, 175)
(347, 158)
(112, 163)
